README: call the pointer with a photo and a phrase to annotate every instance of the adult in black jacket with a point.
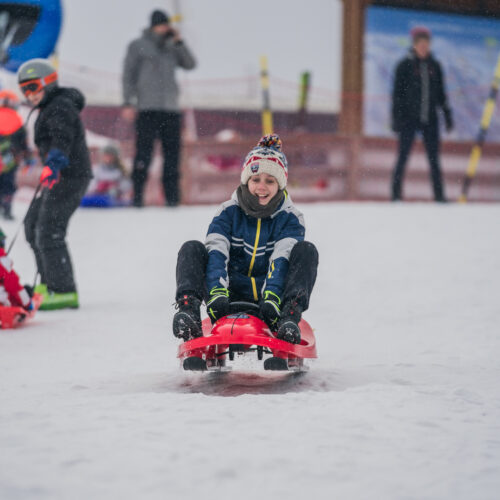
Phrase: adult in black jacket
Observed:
(60, 139)
(417, 94)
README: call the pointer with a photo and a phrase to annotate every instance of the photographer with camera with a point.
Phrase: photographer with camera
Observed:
(150, 96)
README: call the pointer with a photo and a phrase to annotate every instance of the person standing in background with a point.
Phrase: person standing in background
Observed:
(418, 92)
(150, 88)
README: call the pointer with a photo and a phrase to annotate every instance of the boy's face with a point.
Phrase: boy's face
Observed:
(108, 158)
(264, 186)
(422, 47)
(36, 99)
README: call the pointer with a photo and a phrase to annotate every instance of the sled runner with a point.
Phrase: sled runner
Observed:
(242, 332)
(12, 316)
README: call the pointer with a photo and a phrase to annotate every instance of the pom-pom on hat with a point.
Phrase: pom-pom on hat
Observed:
(268, 158)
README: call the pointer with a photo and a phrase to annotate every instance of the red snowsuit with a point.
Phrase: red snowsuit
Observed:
(12, 293)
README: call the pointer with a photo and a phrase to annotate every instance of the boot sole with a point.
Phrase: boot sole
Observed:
(54, 307)
(184, 327)
(289, 332)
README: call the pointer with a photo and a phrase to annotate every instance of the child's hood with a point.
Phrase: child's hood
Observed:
(70, 94)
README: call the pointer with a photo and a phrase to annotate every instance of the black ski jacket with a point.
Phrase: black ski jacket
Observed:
(407, 93)
(59, 126)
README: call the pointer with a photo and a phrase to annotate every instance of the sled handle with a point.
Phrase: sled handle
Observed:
(243, 306)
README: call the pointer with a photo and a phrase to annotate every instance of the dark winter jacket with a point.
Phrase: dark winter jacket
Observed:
(249, 255)
(149, 72)
(59, 126)
(407, 93)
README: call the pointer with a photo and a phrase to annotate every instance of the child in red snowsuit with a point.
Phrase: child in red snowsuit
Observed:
(12, 293)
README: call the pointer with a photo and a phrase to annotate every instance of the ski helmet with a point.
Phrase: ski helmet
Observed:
(8, 99)
(36, 75)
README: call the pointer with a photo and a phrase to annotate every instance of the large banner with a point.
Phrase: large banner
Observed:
(467, 48)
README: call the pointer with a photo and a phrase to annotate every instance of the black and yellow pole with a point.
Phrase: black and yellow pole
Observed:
(267, 116)
(305, 81)
(477, 149)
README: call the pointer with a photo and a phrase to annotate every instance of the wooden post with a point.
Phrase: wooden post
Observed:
(350, 120)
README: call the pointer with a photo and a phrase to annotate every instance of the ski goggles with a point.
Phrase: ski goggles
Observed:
(32, 87)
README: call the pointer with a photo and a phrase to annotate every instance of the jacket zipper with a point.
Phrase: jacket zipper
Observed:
(252, 262)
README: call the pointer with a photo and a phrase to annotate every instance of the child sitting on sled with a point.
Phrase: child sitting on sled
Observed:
(12, 293)
(110, 178)
(254, 251)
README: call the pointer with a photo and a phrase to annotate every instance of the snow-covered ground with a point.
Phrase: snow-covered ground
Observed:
(403, 402)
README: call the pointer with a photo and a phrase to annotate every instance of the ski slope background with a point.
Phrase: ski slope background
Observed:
(403, 402)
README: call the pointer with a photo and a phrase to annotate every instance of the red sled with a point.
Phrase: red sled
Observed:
(241, 332)
(12, 316)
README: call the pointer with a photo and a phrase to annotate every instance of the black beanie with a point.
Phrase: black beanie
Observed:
(159, 17)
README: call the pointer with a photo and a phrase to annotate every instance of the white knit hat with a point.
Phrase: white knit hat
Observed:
(267, 158)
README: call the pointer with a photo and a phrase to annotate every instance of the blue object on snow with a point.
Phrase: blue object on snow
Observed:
(102, 201)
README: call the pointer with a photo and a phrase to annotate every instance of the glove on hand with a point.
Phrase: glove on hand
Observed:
(49, 177)
(270, 309)
(218, 304)
(51, 173)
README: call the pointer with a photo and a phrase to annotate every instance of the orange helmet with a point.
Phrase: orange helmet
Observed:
(8, 99)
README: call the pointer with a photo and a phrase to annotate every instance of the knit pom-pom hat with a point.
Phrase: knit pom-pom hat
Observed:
(268, 158)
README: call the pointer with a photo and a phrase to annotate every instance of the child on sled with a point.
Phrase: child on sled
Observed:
(12, 293)
(254, 251)
(111, 185)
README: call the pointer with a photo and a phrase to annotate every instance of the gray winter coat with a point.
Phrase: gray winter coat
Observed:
(149, 72)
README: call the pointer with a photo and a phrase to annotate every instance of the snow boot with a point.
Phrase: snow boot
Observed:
(288, 326)
(41, 289)
(53, 300)
(187, 321)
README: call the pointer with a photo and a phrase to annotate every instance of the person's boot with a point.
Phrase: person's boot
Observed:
(187, 320)
(53, 300)
(41, 288)
(288, 326)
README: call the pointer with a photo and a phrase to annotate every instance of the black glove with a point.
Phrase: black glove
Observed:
(448, 119)
(270, 309)
(218, 304)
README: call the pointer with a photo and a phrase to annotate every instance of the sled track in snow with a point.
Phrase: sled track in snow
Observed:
(239, 383)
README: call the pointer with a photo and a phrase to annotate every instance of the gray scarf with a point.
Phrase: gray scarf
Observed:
(251, 206)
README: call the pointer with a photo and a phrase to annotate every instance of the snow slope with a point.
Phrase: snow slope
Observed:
(403, 402)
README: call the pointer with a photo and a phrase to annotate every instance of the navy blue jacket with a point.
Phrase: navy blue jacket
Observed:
(249, 255)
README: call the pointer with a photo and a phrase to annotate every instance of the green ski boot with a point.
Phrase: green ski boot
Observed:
(52, 300)
(41, 289)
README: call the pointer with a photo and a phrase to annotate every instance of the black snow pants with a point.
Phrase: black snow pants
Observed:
(166, 126)
(303, 265)
(430, 136)
(45, 228)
